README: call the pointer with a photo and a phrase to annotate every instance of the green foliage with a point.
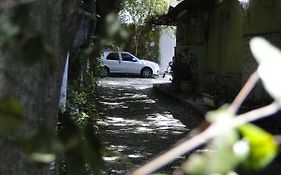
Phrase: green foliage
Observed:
(220, 157)
(78, 134)
(92, 148)
(263, 146)
(139, 11)
(41, 146)
(143, 39)
(113, 27)
(254, 150)
(11, 115)
(113, 34)
(77, 129)
(34, 48)
(82, 148)
(17, 31)
(85, 102)
(14, 26)
(71, 138)
(147, 45)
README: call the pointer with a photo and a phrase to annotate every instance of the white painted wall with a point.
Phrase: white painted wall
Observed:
(167, 46)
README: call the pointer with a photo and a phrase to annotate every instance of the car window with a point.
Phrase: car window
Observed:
(127, 57)
(112, 56)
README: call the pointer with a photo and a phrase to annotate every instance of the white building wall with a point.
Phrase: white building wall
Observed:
(167, 46)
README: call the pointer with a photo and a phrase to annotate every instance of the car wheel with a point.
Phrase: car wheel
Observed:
(146, 72)
(105, 72)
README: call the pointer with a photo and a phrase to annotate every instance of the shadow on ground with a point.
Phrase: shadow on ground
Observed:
(137, 124)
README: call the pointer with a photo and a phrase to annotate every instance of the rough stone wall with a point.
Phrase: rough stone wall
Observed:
(250, 65)
(36, 86)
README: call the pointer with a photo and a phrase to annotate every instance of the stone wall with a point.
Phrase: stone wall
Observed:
(250, 65)
(36, 86)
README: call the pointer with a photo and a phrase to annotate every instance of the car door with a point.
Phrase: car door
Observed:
(113, 62)
(129, 63)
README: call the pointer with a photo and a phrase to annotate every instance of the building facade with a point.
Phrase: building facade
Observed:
(212, 52)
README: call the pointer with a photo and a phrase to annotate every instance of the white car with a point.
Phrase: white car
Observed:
(125, 62)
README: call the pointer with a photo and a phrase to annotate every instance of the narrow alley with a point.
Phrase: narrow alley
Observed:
(136, 123)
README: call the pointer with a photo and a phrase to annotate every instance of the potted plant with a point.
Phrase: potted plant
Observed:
(212, 93)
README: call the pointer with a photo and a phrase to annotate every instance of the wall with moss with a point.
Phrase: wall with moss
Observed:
(229, 23)
(220, 31)
(263, 17)
(225, 38)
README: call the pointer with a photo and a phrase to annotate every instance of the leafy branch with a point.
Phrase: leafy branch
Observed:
(224, 124)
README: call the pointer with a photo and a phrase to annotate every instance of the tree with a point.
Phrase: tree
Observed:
(34, 40)
(138, 12)
(148, 42)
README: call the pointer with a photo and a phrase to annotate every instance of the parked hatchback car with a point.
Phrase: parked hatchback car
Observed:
(125, 62)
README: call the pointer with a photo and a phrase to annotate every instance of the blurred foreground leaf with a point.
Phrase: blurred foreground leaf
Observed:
(34, 48)
(14, 25)
(17, 33)
(221, 115)
(44, 158)
(220, 157)
(11, 114)
(263, 146)
(269, 59)
(41, 146)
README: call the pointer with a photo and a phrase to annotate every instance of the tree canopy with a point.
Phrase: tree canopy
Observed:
(138, 11)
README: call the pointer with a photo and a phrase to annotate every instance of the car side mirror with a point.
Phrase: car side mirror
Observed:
(135, 60)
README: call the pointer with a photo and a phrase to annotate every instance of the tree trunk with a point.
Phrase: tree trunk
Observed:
(36, 86)
(137, 40)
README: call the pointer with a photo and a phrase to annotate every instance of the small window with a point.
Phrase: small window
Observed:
(127, 57)
(113, 56)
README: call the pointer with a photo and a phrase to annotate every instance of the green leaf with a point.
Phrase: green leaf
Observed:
(112, 24)
(11, 115)
(92, 148)
(220, 157)
(223, 114)
(241, 150)
(269, 59)
(71, 137)
(41, 141)
(263, 146)
(44, 158)
(196, 164)
(41, 146)
(34, 48)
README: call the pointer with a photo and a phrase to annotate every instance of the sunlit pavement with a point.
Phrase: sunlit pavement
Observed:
(136, 124)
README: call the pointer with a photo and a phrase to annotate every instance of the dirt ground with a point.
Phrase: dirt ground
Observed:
(137, 124)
